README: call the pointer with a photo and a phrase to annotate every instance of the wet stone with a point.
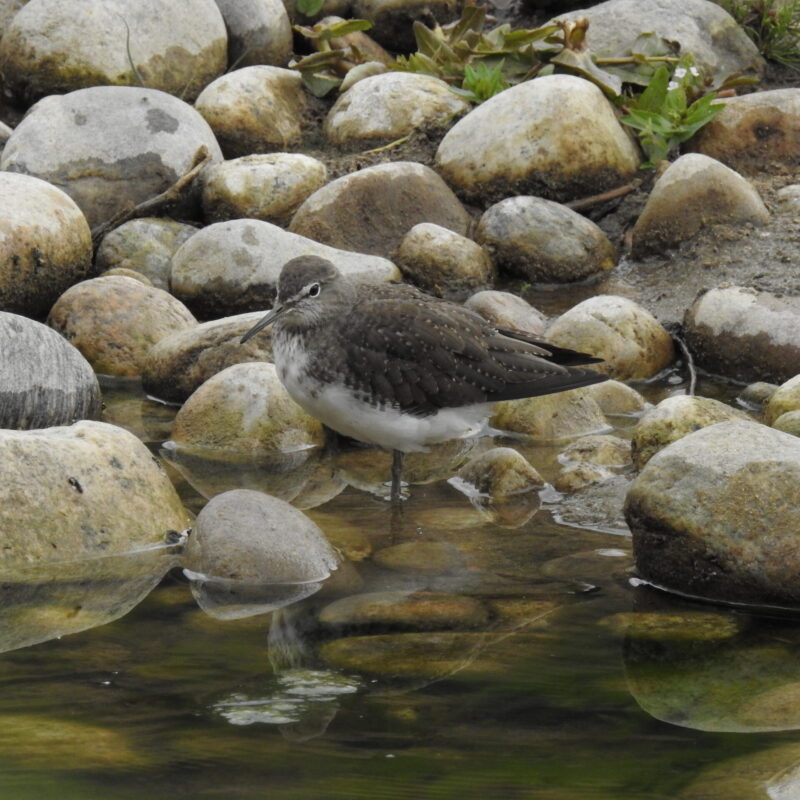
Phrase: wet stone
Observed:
(429, 558)
(756, 395)
(617, 399)
(784, 399)
(697, 626)
(499, 473)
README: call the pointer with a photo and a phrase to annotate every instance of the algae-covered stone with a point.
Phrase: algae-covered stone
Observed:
(617, 399)
(629, 339)
(115, 321)
(244, 411)
(431, 558)
(604, 450)
(687, 626)
(500, 472)
(757, 395)
(673, 419)
(788, 422)
(179, 363)
(785, 398)
(44, 380)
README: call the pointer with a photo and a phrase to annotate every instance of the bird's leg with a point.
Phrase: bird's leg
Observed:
(397, 474)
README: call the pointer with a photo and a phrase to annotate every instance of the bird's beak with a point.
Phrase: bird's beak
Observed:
(267, 319)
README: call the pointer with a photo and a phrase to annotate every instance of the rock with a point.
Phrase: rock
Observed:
(442, 262)
(370, 211)
(756, 395)
(346, 537)
(244, 411)
(421, 557)
(701, 28)
(233, 267)
(595, 503)
(5, 130)
(73, 494)
(551, 417)
(543, 241)
(255, 109)
(580, 475)
(389, 106)
(629, 339)
(506, 310)
(122, 272)
(179, 363)
(271, 186)
(711, 515)
(252, 537)
(561, 140)
(745, 334)
(361, 71)
(788, 422)
(49, 49)
(755, 132)
(259, 32)
(603, 450)
(687, 626)
(145, 245)
(110, 147)
(115, 321)
(45, 244)
(44, 380)
(419, 611)
(8, 8)
(693, 193)
(784, 399)
(500, 472)
(617, 399)
(392, 20)
(788, 199)
(674, 418)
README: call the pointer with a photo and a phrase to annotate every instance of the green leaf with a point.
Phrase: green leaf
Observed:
(320, 84)
(652, 98)
(473, 18)
(310, 7)
(581, 63)
(338, 29)
(517, 39)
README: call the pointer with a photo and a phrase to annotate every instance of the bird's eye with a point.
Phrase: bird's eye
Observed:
(313, 290)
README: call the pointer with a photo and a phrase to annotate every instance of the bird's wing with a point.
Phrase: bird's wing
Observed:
(430, 355)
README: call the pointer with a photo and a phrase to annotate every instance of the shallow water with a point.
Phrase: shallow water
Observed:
(576, 684)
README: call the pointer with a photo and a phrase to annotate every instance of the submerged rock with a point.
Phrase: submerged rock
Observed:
(714, 515)
(44, 380)
(500, 473)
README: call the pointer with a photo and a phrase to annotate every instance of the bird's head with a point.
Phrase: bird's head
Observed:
(307, 287)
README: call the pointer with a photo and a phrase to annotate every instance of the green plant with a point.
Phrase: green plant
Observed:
(773, 25)
(310, 7)
(670, 110)
(482, 81)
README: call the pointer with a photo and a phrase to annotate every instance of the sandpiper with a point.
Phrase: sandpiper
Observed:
(388, 365)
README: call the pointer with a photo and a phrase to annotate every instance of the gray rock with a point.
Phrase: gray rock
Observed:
(693, 193)
(442, 262)
(244, 412)
(179, 363)
(389, 106)
(45, 244)
(591, 460)
(561, 140)
(745, 334)
(44, 380)
(712, 515)
(269, 186)
(122, 272)
(629, 339)
(507, 310)
(232, 267)
(256, 109)
(110, 147)
(73, 494)
(49, 49)
(784, 399)
(788, 199)
(145, 245)
(396, 195)
(674, 418)
(259, 32)
(5, 131)
(114, 321)
(543, 241)
(699, 27)
(8, 8)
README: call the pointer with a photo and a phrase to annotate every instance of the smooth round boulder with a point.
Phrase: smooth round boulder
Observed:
(244, 412)
(144, 245)
(256, 109)
(179, 363)
(674, 418)
(788, 199)
(789, 422)
(784, 399)
(259, 32)
(693, 193)
(561, 140)
(506, 310)
(111, 147)
(617, 399)
(755, 395)
(269, 186)
(49, 49)
(44, 380)
(745, 334)
(45, 244)
(713, 515)
(233, 267)
(389, 106)
(754, 132)
(370, 211)
(114, 321)
(500, 473)
(442, 262)
(629, 339)
(82, 493)
(543, 241)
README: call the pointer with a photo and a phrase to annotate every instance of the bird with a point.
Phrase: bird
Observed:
(389, 365)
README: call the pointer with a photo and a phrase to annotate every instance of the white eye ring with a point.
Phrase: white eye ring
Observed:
(313, 290)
